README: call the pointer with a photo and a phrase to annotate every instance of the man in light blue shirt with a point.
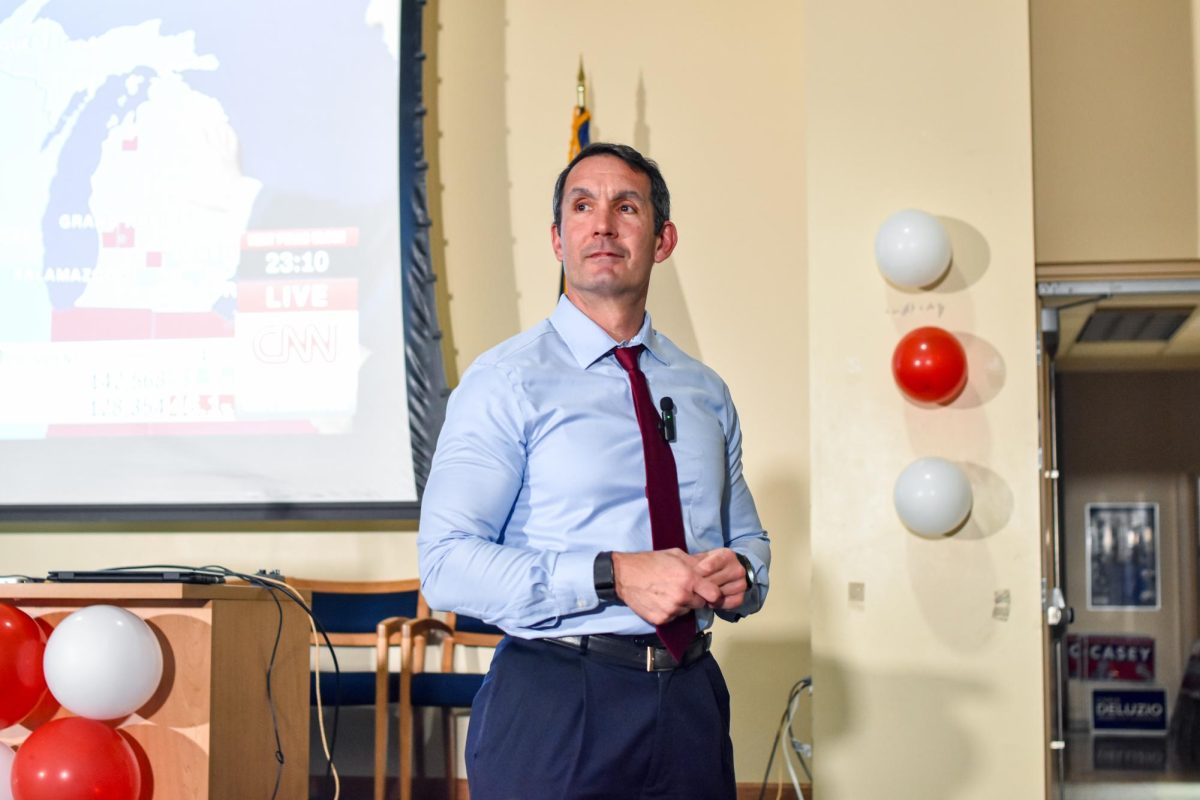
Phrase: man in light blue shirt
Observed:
(535, 518)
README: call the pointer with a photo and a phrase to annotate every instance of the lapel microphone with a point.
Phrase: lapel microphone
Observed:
(668, 419)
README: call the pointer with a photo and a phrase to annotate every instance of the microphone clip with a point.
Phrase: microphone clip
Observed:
(667, 425)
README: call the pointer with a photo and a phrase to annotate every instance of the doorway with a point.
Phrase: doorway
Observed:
(1121, 460)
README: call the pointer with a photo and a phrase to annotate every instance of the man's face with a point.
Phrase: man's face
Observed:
(606, 241)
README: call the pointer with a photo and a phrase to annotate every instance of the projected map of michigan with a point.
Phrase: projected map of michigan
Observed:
(200, 207)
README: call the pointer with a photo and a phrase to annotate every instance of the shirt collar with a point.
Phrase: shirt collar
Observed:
(588, 342)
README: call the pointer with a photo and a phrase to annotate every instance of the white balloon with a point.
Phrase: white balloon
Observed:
(932, 497)
(102, 662)
(6, 761)
(912, 248)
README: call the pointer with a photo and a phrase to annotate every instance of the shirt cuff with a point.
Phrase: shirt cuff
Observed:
(755, 595)
(573, 585)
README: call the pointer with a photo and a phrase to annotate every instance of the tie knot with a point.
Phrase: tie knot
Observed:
(627, 357)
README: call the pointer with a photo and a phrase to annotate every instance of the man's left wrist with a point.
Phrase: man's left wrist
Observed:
(604, 578)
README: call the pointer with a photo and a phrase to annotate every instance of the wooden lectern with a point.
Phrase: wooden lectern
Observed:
(207, 732)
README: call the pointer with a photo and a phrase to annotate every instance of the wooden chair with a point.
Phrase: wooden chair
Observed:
(365, 614)
(447, 689)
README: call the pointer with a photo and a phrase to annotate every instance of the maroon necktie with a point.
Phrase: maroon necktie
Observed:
(662, 492)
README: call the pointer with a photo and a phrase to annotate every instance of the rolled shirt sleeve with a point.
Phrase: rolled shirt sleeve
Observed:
(739, 518)
(473, 483)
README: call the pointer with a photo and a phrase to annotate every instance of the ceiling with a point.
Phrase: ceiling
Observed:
(1180, 352)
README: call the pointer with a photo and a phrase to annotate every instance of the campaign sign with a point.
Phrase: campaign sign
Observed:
(1129, 710)
(1075, 645)
(1119, 658)
(1130, 753)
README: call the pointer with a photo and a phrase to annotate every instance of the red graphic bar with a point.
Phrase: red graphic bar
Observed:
(193, 325)
(116, 324)
(332, 295)
(299, 237)
(252, 427)
(100, 324)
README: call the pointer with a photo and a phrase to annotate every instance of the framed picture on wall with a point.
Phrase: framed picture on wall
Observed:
(1122, 556)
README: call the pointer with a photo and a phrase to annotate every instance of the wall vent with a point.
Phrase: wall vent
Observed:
(1134, 324)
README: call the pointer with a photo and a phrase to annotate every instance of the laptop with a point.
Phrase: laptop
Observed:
(131, 576)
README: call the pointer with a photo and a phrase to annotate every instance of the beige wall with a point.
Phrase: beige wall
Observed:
(927, 688)
(1115, 120)
(713, 92)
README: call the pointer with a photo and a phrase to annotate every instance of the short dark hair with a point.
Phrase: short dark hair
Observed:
(660, 196)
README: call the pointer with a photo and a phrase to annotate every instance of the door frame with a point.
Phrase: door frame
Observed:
(1059, 285)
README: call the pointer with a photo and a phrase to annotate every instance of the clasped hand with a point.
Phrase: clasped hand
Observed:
(659, 585)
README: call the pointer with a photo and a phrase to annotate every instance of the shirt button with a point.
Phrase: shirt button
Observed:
(581, 603)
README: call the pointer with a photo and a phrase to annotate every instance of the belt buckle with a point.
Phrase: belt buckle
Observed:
(649, 659)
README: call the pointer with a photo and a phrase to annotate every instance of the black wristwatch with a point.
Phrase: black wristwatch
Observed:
(746, 565)
(604, 578)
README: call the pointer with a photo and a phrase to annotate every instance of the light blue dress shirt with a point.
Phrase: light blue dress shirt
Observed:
(539, 467)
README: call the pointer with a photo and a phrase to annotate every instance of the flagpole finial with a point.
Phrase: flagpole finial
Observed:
(581, 86)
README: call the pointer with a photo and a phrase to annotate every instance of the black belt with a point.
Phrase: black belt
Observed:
(639, 652)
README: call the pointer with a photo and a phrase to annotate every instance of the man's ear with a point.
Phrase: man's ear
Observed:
(665, 242)
(556, 242)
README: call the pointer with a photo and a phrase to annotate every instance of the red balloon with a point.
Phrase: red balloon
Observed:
(45, 710)
(75, 759)
(930, 365)
(22, 684)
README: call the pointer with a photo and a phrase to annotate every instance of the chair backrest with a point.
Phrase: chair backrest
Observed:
(350, 610)
(468, 632)
(363, 614)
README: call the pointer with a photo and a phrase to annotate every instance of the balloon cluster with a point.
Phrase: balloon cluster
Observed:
(100, 663)
(932, 496)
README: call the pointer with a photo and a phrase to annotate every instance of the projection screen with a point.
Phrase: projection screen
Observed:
(215, 292)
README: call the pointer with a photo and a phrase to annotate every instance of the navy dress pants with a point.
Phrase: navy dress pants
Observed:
(552, 723)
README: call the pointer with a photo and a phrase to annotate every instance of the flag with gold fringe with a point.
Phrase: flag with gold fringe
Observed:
(582, 117)
(580, 137)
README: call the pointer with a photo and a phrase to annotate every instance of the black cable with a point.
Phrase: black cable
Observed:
(337, 672)
(271, 700)
(256, 580)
